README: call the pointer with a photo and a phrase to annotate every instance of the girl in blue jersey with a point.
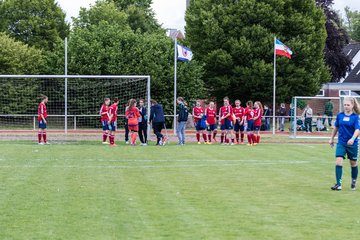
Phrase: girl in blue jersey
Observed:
(348, 125)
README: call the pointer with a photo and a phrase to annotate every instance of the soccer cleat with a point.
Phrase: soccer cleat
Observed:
(353, 185)
(106, 143)
(199, 143)
(254, 144)
(232, 144)
(209, 143)
(249, 144)
(41, 143)
(242, 143)
(47, 143)
(164, 139)
(126, 142)
(336, 187)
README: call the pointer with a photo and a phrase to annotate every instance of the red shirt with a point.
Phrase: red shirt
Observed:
(104, 112)
(239, 112)
(133, 115)
(197, 111)
(42, 110)
(210, 116)
(224, 110)
(113, 111)
(258, 114)
(249, 113)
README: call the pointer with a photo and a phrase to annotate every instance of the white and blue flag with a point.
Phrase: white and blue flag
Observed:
(184, 53)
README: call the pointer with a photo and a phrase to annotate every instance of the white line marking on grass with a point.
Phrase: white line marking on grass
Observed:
(157, 166)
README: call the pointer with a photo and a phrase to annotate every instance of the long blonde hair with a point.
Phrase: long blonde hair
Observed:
(355, 103)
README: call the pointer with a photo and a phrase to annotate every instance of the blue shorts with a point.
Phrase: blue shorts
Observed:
(211, 127)
(198, 127)
(42, 125)
(250, 126)
(238, 127)
(104, 125)
(350, 151)
(112, 126)
(228, 125)
(257, 128)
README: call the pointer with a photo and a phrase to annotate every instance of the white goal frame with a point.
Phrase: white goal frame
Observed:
(66, 77)
(295, 113)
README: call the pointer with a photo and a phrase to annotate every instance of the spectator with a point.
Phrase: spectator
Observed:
(292, 117)
(328, 113)
(267, 114)
(307, 115)
(157, 119)
(282, 114)
(182, 119)
(319, 123)
(143, 123)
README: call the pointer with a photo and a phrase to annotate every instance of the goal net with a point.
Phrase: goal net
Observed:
(313, 117)
(73, 106)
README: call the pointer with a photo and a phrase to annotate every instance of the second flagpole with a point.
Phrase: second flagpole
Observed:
(274, 91)
(175, 80)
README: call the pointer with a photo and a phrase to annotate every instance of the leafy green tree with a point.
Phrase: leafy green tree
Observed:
(102, 42)
(18, 58)
(353, 23)
(141, 17)
(36, 23)
(235, 40)
(337, 39)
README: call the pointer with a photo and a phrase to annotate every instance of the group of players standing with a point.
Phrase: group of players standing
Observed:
(233, 121)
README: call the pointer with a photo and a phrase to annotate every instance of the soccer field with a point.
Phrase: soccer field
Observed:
(91, 191)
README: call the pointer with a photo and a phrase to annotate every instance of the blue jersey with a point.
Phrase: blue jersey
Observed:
(347, 126)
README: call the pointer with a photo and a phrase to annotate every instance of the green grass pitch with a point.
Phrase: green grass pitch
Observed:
(91, 191)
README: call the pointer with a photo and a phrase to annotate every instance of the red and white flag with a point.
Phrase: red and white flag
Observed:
(282, 50)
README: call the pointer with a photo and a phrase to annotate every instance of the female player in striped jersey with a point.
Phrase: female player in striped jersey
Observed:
(239, 113)
(112, 121)
(258, 112)
(104, 113)
(210, 113)
(42, 115)
(133, 115)
(198, 113)
(348, 125)
(249, 118)
(226, 122)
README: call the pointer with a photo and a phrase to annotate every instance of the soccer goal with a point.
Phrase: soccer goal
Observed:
(313, 117)
(73, 106)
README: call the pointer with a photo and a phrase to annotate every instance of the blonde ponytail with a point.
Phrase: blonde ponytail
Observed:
(355, 103)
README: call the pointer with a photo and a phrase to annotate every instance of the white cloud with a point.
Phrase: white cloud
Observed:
(341, 4)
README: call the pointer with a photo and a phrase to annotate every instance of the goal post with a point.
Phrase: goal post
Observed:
(74, 102)
(320, 120)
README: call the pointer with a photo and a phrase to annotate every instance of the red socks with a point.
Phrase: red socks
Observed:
(133, 138)
(209, 137)
(44, 136)
(249, 138)
(204, 137)
(105, 135)
(39, 137)
(214, 134)
(222, 138)
(237, 137)
(254, 138)
(198, 137)
(112, 139)
(242, 137)
(258, 139)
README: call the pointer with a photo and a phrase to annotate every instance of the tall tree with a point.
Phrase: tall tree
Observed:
(141, 17)
(235, 41)
(352, 19)
(36, 23)
(337, 39)
(102, 44)
(18, 58)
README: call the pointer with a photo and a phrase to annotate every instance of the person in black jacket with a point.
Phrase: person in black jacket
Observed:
(143, 123)
(182, 119)
(157, 119)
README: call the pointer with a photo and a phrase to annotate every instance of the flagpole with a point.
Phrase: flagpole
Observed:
(274, 91)
(175, 79)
